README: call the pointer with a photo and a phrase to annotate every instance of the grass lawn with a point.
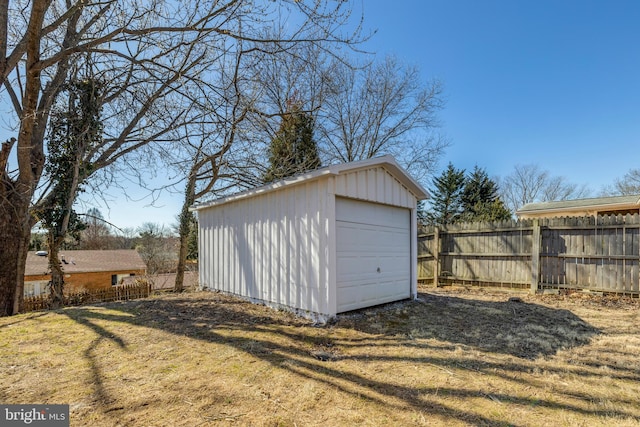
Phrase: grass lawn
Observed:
(452, 357)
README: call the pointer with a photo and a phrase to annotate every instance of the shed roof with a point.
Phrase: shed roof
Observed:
(87, 262)
(591, 204)
(388, 162)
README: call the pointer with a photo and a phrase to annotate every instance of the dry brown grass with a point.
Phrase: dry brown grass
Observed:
(453, 357)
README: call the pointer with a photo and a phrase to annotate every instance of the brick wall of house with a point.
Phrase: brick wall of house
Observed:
(86, 281)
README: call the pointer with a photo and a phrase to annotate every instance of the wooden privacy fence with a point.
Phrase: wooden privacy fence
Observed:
(597, 254)
(141, 289)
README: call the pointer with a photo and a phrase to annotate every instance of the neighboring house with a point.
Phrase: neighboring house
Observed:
(617, 205)
(332, 240)
(83, 270)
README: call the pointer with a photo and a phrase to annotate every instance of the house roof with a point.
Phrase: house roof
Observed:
(387, 162)
(87, 261)
(597, 204)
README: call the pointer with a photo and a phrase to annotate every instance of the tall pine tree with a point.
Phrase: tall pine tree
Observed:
(480, 200)
(446, 196)
(293, 150)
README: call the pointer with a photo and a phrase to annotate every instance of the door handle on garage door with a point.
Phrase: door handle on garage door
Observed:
(378, 270)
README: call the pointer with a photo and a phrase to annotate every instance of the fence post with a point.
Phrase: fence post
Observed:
(535, 257)
(436, 255)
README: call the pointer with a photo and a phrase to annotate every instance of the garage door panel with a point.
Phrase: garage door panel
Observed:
(394, 267)
(371, 238)
(359, 212)
(367, 269)
(367, 295)
(373, 254)
(355, 267)
(390, 291)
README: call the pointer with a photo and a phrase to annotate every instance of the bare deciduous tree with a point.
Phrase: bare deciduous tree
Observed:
(155, 248)
(360, 111)
(236, 118)
(150, 53)
(97, 234)
(382, 108)
(296, 73)
(208, 148)
(629, 184)
(529, 184)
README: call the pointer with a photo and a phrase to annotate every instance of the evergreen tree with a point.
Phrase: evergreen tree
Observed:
(446, 196)
(480, 200)
(293, 150)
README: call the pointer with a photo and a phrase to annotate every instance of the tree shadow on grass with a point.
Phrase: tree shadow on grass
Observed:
(497, 327)
(26, 318)
(518, 329)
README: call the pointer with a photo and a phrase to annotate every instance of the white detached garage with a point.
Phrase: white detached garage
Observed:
(329, 241)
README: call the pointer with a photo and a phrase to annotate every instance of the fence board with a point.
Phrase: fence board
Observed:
(589, 267)
(114, 293)
(579, 253)
(634, 250)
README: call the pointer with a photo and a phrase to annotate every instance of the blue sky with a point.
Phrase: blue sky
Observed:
(554, 83)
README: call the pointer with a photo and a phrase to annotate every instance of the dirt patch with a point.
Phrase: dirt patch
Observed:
(452, 357)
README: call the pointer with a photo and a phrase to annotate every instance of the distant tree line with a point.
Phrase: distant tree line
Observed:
(458, 196)
(156, 244)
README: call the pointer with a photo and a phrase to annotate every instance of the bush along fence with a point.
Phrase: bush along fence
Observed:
(140, 289)
(597, 254)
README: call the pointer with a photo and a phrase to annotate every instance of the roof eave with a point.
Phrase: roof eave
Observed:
(385, 161)
(311, 176)
(596, 208)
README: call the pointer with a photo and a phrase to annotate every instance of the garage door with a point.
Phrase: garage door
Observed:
(373, 254)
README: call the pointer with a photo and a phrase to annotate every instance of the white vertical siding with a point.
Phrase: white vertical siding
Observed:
(330, 246)
(375, 185)
(414, 253)
(280, 247)
(271, 247)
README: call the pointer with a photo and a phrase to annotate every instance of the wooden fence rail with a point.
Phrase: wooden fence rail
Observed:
(141, 289)
(598, 254)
